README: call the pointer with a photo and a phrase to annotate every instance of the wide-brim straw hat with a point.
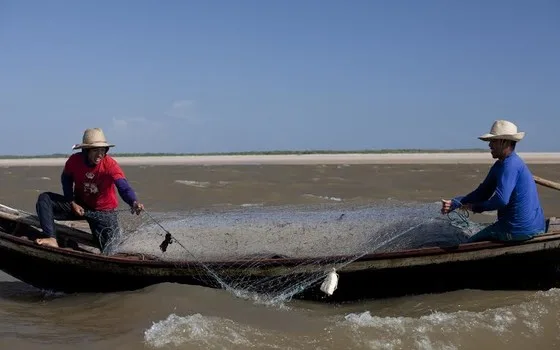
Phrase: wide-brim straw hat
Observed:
(503, 130)
(93, 138)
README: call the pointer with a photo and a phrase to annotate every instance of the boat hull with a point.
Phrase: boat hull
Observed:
(538, 270)
(59, 272)
(534, 266)
(530, 265)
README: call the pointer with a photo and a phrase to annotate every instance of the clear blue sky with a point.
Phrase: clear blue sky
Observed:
(218, 76)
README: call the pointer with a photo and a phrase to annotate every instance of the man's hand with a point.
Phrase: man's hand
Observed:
(445, 206)
(136, 208)
(77, 209)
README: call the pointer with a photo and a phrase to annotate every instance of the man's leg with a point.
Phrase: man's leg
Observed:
(495, 233)
(519, 237)
(52, 206)
(105, 228)
(489, 233)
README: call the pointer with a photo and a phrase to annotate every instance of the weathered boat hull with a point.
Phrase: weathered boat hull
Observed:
(65, 272)
(529, 265)
(529, 271)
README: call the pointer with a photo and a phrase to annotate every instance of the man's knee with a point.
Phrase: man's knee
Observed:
(48, 197)
(488, 233)
(43, 201)
(44, 197)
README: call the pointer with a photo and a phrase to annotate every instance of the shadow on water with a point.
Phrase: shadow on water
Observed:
(18, 291)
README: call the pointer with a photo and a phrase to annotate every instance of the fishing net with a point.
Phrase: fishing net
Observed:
(327, 237)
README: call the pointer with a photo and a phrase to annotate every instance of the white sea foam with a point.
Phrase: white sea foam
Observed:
(39, 178)
(196, 330)
(334, 199)
(247, 205)
(199, 184)
(202, 184)
(517, 324)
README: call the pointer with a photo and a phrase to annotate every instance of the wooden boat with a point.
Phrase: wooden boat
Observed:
(76, 267)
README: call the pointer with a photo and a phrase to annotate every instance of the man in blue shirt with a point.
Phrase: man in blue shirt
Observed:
(508, 188)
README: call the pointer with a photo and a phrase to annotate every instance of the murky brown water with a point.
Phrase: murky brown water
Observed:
(172, 316)
(186, 187)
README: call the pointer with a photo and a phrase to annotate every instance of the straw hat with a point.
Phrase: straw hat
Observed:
(503, 130)
(93, 138)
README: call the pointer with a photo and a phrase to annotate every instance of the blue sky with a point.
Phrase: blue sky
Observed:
(246, 75)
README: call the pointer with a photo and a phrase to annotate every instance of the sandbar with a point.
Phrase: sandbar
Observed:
(303, 159)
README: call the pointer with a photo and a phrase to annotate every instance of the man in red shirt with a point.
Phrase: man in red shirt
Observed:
(88, 181)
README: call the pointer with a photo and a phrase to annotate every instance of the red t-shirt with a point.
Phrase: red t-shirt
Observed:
(95, 186)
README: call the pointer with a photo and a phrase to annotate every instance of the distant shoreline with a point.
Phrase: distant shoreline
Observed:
(302, 159)
(258, 153)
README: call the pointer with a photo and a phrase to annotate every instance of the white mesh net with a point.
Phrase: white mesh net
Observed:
(327, 236)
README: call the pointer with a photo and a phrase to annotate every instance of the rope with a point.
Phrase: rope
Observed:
(463, 217)
(170, 239)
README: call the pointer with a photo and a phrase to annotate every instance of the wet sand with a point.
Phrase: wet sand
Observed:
(305, 159)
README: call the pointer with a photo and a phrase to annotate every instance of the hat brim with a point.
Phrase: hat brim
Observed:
(511, 137)
(92, 145)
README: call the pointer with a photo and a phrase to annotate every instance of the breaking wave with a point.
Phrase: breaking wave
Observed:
(518, 326)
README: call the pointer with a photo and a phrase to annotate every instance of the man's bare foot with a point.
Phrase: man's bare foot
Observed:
(49, 242)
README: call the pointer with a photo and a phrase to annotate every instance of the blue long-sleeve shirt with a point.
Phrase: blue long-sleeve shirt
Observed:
(510, 189)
